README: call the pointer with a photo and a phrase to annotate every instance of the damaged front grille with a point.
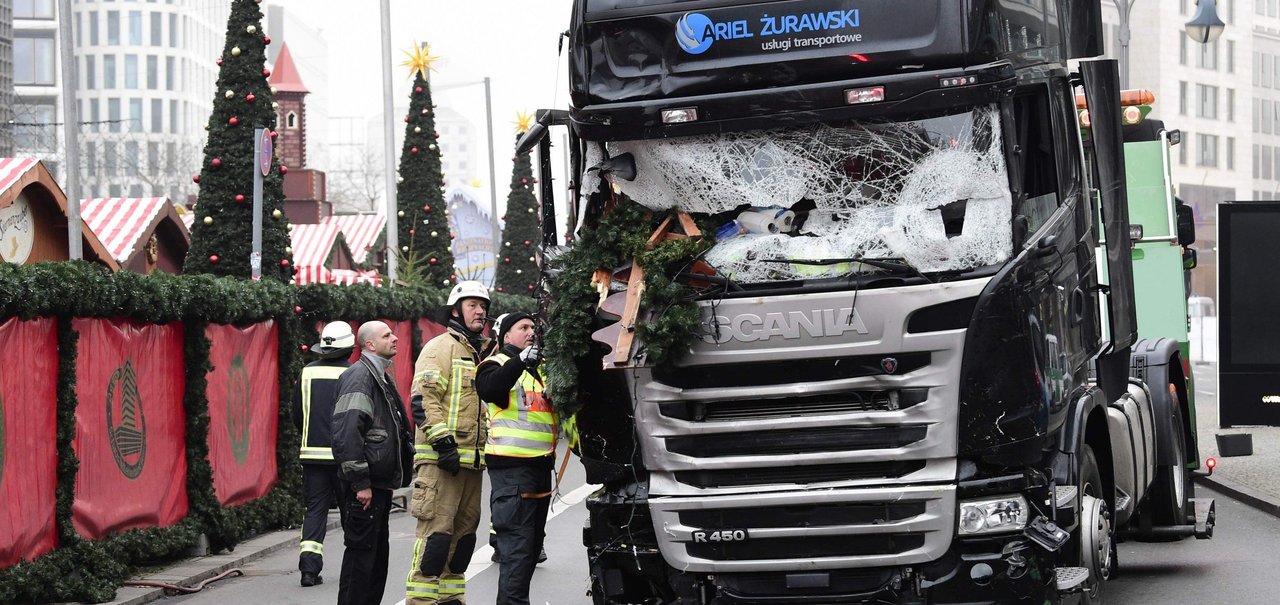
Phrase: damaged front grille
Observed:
(824, 546)
(787, 371)
(818, 514)
(822, 473)
(799, 441)
(862, 400)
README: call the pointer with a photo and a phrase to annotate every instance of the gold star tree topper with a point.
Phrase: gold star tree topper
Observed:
(420, 60)
(524, 121)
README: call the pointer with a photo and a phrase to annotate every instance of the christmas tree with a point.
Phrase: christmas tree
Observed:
(222, 235)
(422, 225)
(517, 264)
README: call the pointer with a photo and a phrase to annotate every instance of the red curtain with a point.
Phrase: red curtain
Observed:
(130, 427)
(244, 402)
(28, 439)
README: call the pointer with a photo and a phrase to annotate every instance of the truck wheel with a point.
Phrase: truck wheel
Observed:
(1171, 490)
(1096, 539)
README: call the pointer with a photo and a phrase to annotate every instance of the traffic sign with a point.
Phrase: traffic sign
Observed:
(264, 153)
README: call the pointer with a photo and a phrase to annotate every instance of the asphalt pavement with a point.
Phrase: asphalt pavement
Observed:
(1253, 480)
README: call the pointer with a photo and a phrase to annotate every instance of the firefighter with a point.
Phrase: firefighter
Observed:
(520, 453)
(448, 459)
(313, 400)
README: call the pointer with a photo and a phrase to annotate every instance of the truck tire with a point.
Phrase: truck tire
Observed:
(1171, 489)
(1096, 539)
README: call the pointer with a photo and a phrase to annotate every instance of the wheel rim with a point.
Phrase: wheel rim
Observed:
(1095, 545)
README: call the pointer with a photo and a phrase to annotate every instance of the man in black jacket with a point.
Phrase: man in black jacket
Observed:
(372, 447)
(313, 400)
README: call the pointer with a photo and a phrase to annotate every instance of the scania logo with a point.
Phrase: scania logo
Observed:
(238, 408)
(695, 33)
(129, 436)
(749, 327)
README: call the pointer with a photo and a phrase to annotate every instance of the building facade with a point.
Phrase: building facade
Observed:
(145, 78)
(6, 78)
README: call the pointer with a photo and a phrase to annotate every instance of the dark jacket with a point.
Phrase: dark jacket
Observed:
(313, 399)
(371, 441)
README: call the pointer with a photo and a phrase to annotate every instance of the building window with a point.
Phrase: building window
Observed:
(1257, 115)
(113, 28)
(1182, 98)
(109, 161)
(1257, 68)
(91, 158)
(113, 115)
(1230, 151)
(157, 115)
(1206, 101)
(291, 120)
(135, 28)
(33, 59)
(153, 157)
(95, 114)
(173, 117)
(135, 115)
(1266, 116)
(1265, 80)
(168, 73)
(93, 28)
(1231, 104)
(173, 30)
(1265, 173)
(79, 28)
(1182, 149)
(33, 9)
(36, 131)
(157, 29)
(109, 71)
(1182, 50)
(1208, 56)
(90, 72)
(131, 72)
(1256, 161)
(1231, 56)
(153, 72)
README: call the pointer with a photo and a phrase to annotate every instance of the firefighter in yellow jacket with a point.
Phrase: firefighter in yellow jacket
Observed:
(449, 452)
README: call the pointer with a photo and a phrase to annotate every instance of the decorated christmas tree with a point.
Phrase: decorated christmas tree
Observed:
(423, 225)
(517, 264)
(222, 235)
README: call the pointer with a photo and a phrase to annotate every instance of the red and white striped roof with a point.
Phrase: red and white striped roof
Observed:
(120, 221)
(361, 232)
(188, 218)
(313, 243)
(12, 169)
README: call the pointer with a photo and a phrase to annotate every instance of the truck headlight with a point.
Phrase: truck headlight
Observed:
(993, 515)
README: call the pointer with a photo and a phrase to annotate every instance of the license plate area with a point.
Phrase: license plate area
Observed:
(714, 536)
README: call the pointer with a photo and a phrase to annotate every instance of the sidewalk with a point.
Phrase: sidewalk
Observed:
(1255, 479)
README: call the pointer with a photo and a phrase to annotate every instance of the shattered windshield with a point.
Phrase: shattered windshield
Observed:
(931, 193)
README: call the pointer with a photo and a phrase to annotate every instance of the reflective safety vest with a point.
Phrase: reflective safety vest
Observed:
(319, 390)
(527, 427)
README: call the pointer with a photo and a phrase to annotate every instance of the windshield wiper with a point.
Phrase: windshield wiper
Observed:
(897, 265)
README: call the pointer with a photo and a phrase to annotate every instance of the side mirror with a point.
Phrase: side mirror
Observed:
(621, 166)
(1190, 260)
(1186, 223)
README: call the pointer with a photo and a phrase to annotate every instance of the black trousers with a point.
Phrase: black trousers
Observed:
(519, 523)
(320, 485)
(367, 537)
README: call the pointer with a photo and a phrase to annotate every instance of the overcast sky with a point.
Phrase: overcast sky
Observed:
(513, 42)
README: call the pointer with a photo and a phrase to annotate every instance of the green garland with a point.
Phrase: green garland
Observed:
(669, 319)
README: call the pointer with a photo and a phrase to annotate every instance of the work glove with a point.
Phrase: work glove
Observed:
(531, 355)
(447, 454)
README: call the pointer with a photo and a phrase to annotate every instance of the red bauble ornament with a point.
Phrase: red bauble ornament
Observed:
(266, 73)
(266, 40)
(524, 180)
(433, 260)
(305, 348)
(213, 258)
(196, 179)
(297, 309)
(284, 169)
(219, 61)
(499, 288)
(274, 134)
(506, 260)
(411, 232)
(530, 286)
(239, 197)
(451, 236)
(526, 242)
(413, 150)
(216, 162)
(417, 89)
(426, 208)
(437, 135)
(406, 119)
(233, 121)
(284, 262)
(250, 98)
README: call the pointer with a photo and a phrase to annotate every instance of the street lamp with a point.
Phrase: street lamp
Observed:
(1205, 26)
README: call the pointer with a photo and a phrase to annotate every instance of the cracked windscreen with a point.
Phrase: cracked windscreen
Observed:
(799, 203)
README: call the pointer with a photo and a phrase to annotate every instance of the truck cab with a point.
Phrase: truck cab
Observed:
(908, 378)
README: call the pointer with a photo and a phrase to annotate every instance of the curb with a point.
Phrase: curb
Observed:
(189, 572)
(1261, 501)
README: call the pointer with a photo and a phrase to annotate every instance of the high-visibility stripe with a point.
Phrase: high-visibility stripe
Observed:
(311, 546)
(465, 456)
(310, 374)
(525, 428)
(452, 586)
(359, 402)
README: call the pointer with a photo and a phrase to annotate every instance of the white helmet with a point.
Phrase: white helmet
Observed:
(336, 335)
(468, 289)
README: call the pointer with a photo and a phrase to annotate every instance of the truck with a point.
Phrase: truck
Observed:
(914, 372)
